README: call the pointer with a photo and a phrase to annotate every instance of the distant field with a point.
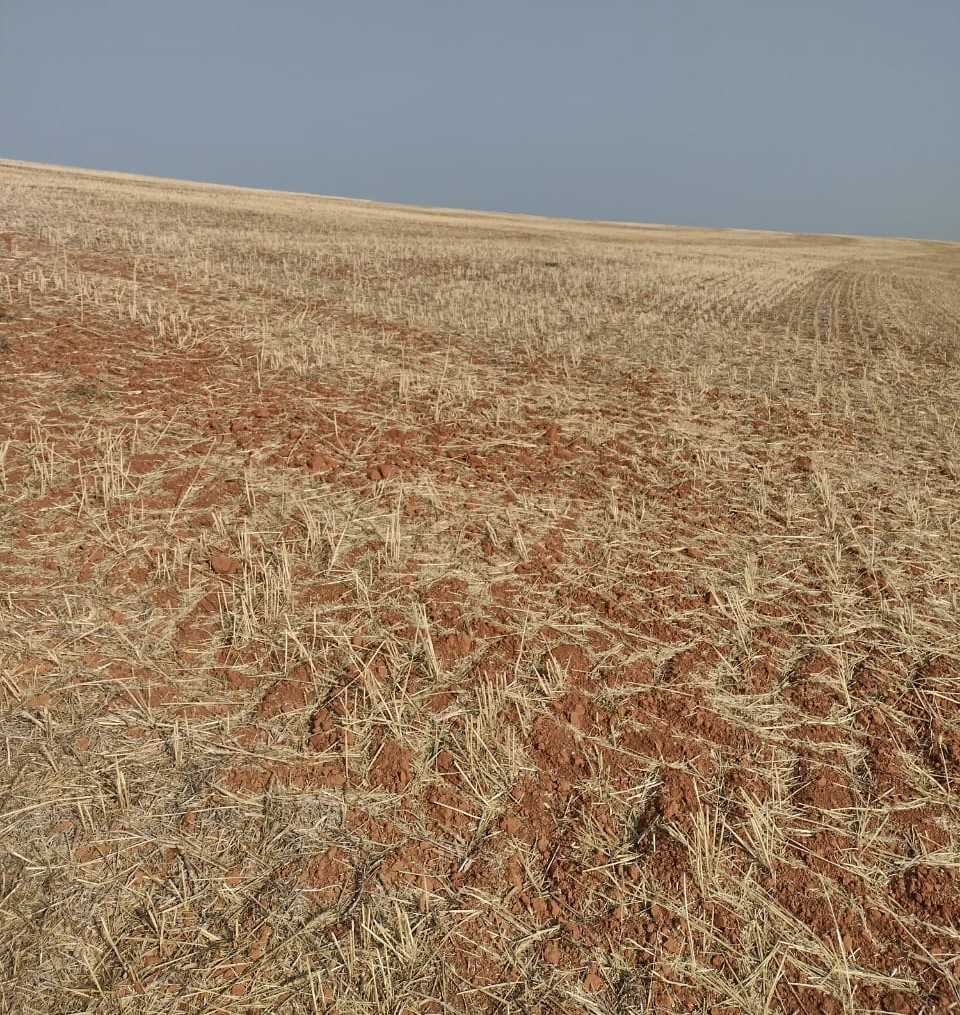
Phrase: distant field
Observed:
(420, 611)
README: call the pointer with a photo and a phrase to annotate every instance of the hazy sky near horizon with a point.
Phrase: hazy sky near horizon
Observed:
(820, 116)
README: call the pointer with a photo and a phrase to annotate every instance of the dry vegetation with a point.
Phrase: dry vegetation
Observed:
(409, 611)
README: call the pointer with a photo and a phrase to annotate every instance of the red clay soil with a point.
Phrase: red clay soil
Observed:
(589, 774)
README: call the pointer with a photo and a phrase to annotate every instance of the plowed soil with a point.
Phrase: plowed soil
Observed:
(416, 611)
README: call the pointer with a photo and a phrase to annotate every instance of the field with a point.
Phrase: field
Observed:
(417, 611)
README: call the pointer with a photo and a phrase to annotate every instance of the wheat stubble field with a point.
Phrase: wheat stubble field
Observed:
(414, 611)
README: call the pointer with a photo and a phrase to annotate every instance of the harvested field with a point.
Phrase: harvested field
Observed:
(415, 611)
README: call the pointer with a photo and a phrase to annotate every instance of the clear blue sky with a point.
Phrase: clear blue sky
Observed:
(836, 116)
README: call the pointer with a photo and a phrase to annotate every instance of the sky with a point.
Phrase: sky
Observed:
(840, 116)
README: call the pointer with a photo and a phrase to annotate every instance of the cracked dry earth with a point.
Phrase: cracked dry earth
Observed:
(413, 611)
